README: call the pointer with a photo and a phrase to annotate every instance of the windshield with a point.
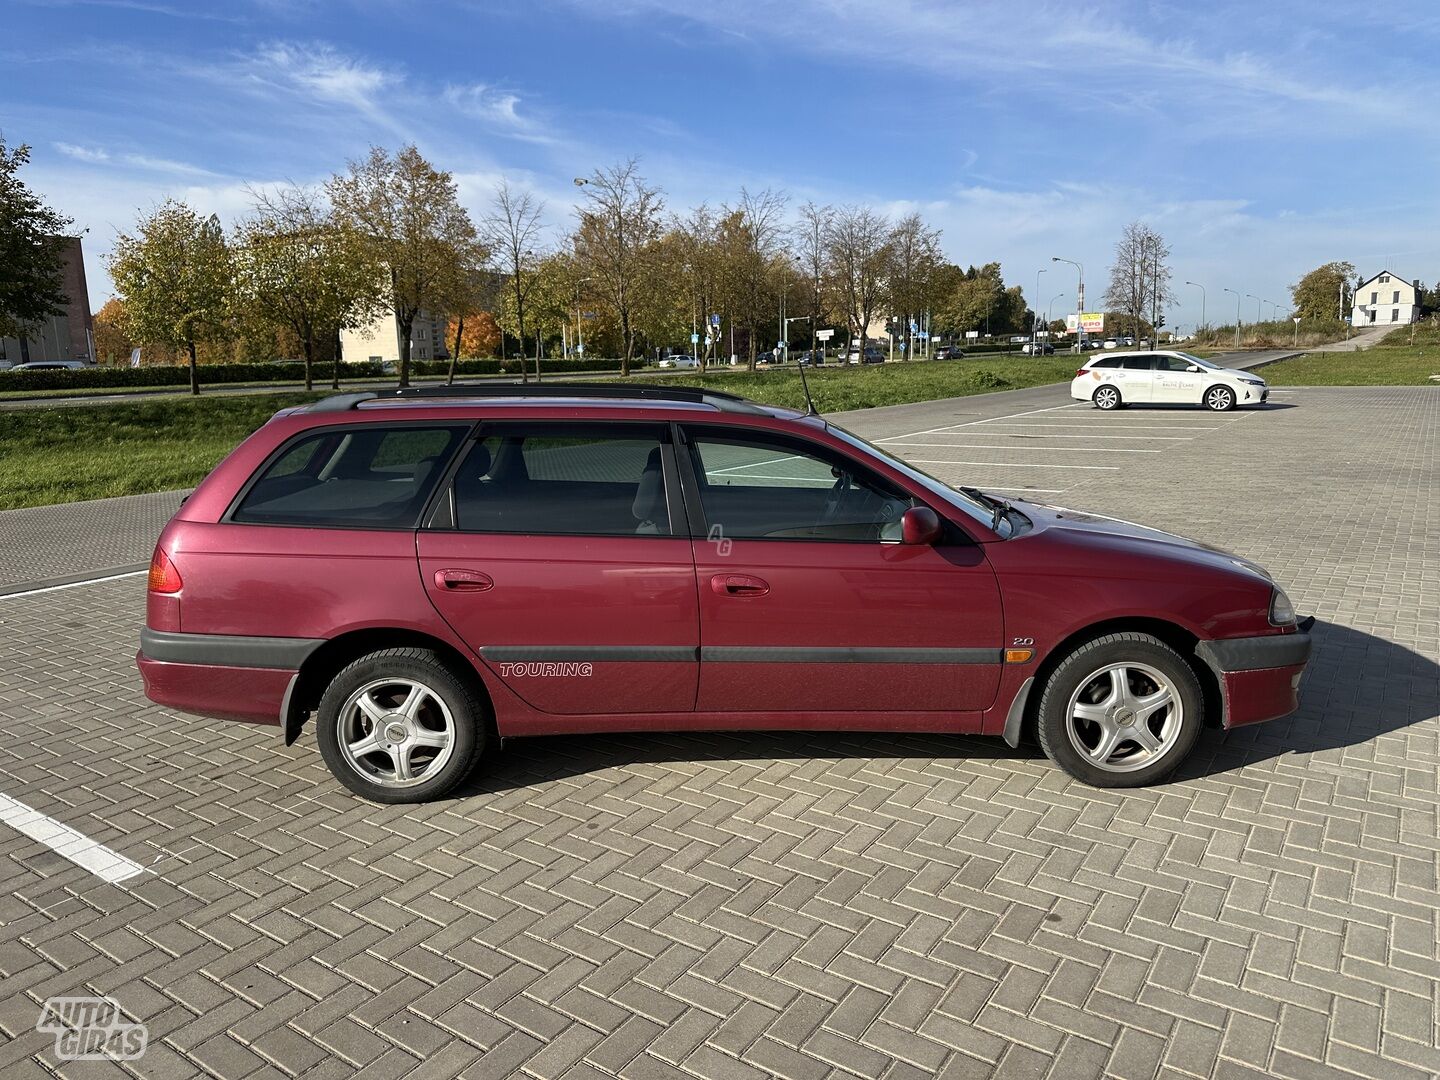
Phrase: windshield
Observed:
(976, 509)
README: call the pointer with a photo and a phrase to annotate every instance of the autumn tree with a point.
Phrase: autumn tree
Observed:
(618, 224)
(477, 335)
(513, 232)
(32, 243)
(410, 216)
(300, 269)
(916, 259)
(1317, 294)
(807, 239)
(112, 340)
(174, 275)
(750, 243)
(858, 252)
(1140, 276)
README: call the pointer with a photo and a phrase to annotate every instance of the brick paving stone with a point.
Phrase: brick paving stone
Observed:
(798, 905)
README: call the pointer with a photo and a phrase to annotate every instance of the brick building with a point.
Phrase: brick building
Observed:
(69, 336)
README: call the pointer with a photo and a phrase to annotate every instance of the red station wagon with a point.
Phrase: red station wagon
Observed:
(425, 571)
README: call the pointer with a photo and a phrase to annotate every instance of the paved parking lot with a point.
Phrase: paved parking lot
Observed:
(803, 905)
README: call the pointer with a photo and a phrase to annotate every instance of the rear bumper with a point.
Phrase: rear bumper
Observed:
(1259, 677)
(224, 676)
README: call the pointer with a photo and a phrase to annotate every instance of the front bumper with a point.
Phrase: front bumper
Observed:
(1259, 676)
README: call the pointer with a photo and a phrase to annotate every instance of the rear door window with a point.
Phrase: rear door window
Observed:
(363, 477)
(1138, 362)
(566, 480)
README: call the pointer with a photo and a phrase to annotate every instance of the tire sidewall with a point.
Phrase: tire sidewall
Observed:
(1077, 667)
(466, 711)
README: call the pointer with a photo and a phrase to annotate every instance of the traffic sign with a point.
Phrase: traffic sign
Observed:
(824, 335)
(694, 339)
(714, 320)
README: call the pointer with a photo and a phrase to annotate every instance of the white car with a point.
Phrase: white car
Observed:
(679, 362)
(1165, 378)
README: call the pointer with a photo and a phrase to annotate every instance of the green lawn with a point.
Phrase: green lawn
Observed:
(1394, 362)
(74, 452)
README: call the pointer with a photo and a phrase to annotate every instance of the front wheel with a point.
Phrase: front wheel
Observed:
(1219, 399)
(399, 726)
(1123, 710)
(1107, 398)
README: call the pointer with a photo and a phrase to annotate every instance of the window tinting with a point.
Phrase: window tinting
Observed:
(564, 480)
(1171, 363)
(759, 489)
(375, 477)
(1135, 363)
(1108, 362)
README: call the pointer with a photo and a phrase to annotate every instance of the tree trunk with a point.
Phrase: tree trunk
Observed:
(537, 356)
(194, 369)
(406, 325)
(309, 360)
(455, 352)
(629, 341)
(520, 325)
(335, 366)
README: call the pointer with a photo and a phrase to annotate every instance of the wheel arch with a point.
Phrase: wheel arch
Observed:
(321, 667)
(1022, 725)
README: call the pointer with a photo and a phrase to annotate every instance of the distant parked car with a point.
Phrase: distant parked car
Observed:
(811, 359)
(1111, 343)
(50, 365)
(680, 361)
(1128, 340)
(1040, 348)
(949, 352)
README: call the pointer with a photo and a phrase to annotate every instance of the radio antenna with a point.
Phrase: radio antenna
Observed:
(810, 409)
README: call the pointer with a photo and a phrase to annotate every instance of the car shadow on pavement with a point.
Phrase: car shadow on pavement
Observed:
(1357, 687)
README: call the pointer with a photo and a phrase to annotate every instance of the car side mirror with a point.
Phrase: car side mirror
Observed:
(919, 525)
(1192, 369)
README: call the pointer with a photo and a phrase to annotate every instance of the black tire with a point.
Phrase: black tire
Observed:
(454, 708)
(1107, 397)
(1081, 671)
(1219, 399)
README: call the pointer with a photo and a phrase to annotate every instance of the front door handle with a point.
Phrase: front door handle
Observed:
(739, 585)
(463, 581)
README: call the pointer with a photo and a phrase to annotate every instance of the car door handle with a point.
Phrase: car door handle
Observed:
(463, 581)
(739, 585)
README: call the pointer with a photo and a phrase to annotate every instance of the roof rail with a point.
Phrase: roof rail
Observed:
(718, 399)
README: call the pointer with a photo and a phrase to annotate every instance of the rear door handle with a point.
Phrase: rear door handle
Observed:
(463, 581)
(739, 585)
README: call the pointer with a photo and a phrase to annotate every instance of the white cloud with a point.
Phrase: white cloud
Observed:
(499, 110)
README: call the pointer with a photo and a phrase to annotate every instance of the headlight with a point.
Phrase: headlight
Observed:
(1253, 382)
(1282, 612)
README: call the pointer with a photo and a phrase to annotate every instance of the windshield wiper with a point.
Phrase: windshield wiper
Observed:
(1000, 509)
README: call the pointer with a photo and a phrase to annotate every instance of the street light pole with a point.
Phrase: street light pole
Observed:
(1035, 321)
(1202, 301)
(1050, 308)
(1258, 317)
(1079, 298)
(1237, 316)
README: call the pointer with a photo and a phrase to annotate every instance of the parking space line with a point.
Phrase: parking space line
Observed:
(60, 838)
(1141, 427)
(1015, 465)
(72, 584)
(1042, 435)
(988, 420)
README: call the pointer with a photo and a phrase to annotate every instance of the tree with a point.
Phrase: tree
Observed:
(751, 254)
(112, 341)
(916, 253)
(972, 300)
(1140, 277)
(174, 276)
(617, 226)
(1317, 294)
(31, 245)
(477, 334)
(858, 252)
(808, 238)
(512, 231)
(410, 216)
(299, 269)
(472, 303)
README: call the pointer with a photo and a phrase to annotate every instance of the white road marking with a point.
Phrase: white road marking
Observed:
(1027, 490)
(989, 420)
(105, 864)
(1043, 435)
(1034, 449)
(1141, 427)
(1014, 465)
(74, 584)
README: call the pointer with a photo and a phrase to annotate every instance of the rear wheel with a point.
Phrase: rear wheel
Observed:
(399, 726)
(1123, 710)
(1107, 398)
(1219, 399)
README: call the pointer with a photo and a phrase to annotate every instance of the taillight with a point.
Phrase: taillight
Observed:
(1080, 371)
(164, 578)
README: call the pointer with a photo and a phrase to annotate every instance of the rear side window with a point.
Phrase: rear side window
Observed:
(368, 477)
(1108, 362)
(564, 480)
(1136, 363)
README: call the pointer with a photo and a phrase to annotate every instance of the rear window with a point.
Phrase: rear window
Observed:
(368, 477)
(1108, 362)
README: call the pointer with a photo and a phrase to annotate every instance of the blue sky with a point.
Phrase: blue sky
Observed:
(1260, 139)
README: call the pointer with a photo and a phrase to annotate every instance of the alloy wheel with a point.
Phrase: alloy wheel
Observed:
(1124, 717)
(1219, 398)
(1107, 397)
(396, 732)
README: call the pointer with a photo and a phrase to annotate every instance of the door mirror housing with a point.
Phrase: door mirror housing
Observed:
(1192, 369)
(919, 525)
